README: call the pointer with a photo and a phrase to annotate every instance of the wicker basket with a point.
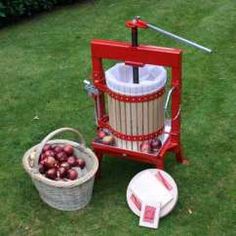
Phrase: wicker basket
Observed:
(69, 195)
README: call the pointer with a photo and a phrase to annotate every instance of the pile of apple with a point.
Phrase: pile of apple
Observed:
(105, 136)
(58, 162)
(151, 146)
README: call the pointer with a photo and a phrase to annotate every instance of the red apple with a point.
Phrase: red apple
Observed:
(51, 173)
(107, 131)
(42, 169)
(58, 149)
(145, 147)
(42, 158)
(65, 165)
(101, 134)
(98, 140)
(49, 153)
(68, 149)
(49, 162)
(72, 174)
(72, 161)
(155, 144)
(61, 156)
(47, 147)
(81, 163)
(61, 172)
(109, 139)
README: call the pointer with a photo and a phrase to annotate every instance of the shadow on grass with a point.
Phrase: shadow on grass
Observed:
(14, 20)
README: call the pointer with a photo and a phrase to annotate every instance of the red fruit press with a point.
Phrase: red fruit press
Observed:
(131, 102)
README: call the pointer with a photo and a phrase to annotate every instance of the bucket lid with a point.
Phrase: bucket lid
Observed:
(137, 192)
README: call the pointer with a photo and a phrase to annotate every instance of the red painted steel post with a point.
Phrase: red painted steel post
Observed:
(176, 110)
(98, 77)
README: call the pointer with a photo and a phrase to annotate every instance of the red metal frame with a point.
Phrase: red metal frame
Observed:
(142, 54)
(136, 23)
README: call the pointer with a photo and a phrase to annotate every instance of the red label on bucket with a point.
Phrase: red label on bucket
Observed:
(136, 201)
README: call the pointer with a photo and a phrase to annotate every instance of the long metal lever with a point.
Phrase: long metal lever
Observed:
(143, 24)
(155, 28)
(196, 45)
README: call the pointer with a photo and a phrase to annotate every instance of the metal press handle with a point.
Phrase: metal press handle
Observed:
(181, 39)
(137, 22)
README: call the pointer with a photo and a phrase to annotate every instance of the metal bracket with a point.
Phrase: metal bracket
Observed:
(90, 88)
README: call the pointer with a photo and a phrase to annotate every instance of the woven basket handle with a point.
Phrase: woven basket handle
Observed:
(50, 136)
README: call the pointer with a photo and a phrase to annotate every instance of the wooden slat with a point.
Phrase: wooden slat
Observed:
(114, 116)
(140, 121)
(128, 124)
(162, 110)
(110, 111)
(118, 120)
(155, 114)
(134, 121)
(158, 114)
(123, 121)
(145, 118)
(150, 117)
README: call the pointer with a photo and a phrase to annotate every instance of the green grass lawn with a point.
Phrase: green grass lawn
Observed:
(43, 63)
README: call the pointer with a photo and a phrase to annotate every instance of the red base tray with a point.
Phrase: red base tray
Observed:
(156, 159)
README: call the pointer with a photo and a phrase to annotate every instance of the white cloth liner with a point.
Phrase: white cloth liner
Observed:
(119, 78)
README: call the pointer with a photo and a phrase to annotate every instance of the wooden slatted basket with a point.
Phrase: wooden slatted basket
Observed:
(63, 195)
(135, 109)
